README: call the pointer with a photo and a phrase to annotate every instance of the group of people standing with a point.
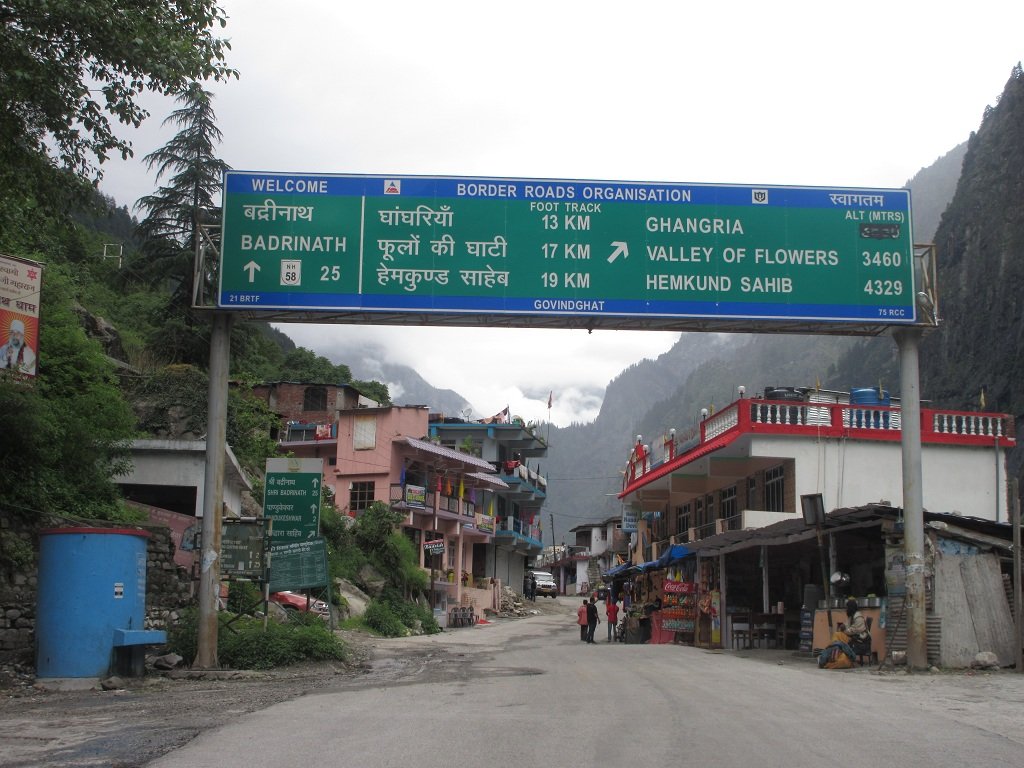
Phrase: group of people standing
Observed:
(588, 619)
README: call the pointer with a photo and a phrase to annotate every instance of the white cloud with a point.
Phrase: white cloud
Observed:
(799, 93)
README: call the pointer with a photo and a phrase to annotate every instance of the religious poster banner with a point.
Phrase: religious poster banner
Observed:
(21, 282)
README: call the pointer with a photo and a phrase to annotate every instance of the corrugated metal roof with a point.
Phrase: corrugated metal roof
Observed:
(492, 480)
(449, 456)
(790, 531)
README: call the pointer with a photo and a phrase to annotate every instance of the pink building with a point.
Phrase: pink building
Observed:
(453, 499)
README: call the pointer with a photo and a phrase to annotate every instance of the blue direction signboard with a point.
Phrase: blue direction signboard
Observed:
(491, 246)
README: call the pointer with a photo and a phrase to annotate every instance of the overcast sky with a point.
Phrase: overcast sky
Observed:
(776, 93)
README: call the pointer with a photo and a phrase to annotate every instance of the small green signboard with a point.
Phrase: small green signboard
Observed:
(298, 565)
(291, 498)
(243, 548)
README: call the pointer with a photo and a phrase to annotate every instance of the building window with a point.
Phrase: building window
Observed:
(683, 520)
(728, 504)
(364, 433)
(360, 496)
(774, 485)
(301, 432)
(752, 492)
(314, 399)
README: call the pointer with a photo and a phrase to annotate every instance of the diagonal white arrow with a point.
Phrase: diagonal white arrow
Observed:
(252, 268)
(621, 248)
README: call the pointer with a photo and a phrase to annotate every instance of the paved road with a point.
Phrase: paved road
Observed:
(528, 693)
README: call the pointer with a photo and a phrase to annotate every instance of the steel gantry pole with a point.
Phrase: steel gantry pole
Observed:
(908, 340)
(213, 491)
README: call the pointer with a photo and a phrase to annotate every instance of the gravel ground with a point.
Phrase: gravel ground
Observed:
(155, 714)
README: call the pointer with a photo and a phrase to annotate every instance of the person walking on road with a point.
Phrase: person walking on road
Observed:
(581, 619)
(611, 611)
(533, 587)
(592, 618)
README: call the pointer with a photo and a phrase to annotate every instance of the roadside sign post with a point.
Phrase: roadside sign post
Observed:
(291, 499)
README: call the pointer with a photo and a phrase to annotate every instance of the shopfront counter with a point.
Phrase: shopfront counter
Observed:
(822, 636)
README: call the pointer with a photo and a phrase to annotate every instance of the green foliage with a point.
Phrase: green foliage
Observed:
(248, 429)
(301, 364)
(245, 644)
(382, 619)
(374, 390)
(344, 557)
(174, 400)
(72, 70)
(243, 597)
(16, 553)
(387, 549)
(392, 616)
(374, 539)
(66, 434)
(373, 528)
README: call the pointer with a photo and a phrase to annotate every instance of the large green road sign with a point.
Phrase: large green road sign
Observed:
(465, 246)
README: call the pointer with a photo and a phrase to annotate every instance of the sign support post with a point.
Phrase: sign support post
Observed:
(213, 491)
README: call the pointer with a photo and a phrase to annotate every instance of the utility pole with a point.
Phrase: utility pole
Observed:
(213, 491)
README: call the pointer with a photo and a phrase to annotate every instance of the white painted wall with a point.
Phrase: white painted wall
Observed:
(959, 479)
(182, 463)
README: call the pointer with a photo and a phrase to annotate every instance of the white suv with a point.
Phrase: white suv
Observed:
(545, 584)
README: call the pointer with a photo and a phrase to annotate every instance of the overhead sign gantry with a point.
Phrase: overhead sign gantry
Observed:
(566, 253)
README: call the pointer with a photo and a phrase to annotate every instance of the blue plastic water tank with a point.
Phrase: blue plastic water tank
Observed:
(871, 396)
(92, 581)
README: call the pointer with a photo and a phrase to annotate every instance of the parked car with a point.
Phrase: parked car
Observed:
(293, 601)
(546, 585)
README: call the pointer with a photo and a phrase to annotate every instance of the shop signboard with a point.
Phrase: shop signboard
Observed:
(434, 547)
(415, 495)
(629, 520)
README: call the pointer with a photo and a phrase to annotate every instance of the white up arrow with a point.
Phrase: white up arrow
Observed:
(252, 268)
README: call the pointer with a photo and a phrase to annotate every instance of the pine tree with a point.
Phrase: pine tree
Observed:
(173, 215)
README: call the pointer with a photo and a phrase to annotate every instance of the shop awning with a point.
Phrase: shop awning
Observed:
(619, 570)
(672, 555)
(669, 557)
